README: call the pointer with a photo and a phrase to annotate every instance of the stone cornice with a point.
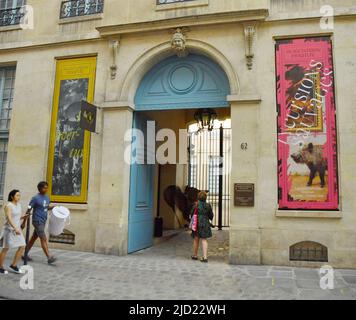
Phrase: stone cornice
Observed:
(117, 105)
(245, 98)
(308, 214)
(187, 21)
(339, 13)
(43, 44)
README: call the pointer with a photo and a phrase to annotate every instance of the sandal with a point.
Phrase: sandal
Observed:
(204, 260)
(3, 271)
(194, 257)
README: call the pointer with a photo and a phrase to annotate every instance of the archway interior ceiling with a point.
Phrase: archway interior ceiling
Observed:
(194, 81)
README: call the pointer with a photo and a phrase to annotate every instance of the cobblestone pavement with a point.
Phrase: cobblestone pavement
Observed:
(165, 271)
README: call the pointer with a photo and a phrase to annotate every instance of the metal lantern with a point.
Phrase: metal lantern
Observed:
(205, 118)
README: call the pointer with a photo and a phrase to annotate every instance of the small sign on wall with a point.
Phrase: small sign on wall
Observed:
(244, 195)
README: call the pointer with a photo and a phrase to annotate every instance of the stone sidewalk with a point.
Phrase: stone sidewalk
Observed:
(165, 271)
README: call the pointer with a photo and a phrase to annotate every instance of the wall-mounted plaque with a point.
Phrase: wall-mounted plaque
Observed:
(244, 194)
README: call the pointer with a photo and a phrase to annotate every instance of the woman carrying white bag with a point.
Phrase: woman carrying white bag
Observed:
(60, 218)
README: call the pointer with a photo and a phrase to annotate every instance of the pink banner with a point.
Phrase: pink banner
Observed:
(307, 146)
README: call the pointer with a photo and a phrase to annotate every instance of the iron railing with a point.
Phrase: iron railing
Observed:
(9, 17)
(209, 169)
(171, 1)
(77, 8)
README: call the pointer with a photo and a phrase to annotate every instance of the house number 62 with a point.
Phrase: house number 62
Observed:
(244, 146)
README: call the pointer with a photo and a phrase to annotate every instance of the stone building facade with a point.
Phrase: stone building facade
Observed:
(127, 40)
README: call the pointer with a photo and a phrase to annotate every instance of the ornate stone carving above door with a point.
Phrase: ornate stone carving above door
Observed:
(250, 34)
(179, 43)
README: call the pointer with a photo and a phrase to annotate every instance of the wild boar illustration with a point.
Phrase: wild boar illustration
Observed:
(313, 156)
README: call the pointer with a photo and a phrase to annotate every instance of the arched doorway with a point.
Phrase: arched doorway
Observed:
(175, 83)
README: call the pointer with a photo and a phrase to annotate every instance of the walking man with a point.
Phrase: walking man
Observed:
(40, 204)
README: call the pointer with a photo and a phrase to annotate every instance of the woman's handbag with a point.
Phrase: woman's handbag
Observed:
(194, 221)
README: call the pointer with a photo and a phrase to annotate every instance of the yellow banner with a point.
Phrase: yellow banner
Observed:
(69, 148)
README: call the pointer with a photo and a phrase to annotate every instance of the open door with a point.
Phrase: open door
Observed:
(140, 231)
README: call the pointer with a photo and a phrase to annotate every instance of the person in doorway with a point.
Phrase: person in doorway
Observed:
(12, 236)
(202, 213)
(40, 204)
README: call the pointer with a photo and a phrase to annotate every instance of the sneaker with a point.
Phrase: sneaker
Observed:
(3, 271)
(29, 259)
(16, 270)
(51, 260)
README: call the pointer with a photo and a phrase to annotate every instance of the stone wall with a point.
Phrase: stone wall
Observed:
(257, 235)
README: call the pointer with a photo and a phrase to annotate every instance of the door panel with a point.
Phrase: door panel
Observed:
(141, 196)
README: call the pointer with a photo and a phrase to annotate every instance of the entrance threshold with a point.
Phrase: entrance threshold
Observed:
(177, 245)
(167, 235)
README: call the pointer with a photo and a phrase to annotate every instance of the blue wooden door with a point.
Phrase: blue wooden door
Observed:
(140, 231)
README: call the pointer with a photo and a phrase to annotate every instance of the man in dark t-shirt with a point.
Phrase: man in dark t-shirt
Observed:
(40, 204)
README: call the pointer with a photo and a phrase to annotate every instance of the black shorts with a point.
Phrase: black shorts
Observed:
(40, 229)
